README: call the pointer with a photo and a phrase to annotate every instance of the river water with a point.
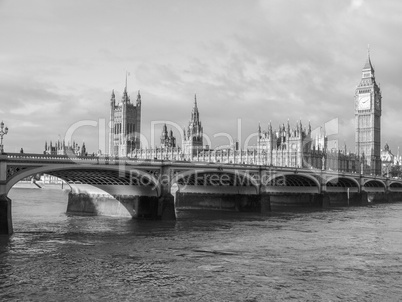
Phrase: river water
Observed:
(330, 255)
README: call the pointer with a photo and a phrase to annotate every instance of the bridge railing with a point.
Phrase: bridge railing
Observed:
(47, 157)
(67, 158)
(251, 158)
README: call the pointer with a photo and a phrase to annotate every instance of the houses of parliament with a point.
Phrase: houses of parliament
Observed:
(287, 146)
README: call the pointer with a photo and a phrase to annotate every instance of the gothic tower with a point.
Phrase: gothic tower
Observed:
(193, 138)
(167, 138)
(368, 120)
(125, 125)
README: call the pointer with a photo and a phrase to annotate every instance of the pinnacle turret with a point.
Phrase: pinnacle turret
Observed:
(139, 98)
(167, 138)
(113, 98)
(126, 98)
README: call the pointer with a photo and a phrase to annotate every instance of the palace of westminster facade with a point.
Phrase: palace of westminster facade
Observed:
(296, 146)
(288, 146)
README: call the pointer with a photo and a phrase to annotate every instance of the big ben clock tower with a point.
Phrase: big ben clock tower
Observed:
(368, 120)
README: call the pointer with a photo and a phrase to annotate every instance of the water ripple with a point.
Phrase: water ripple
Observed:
(341, 254)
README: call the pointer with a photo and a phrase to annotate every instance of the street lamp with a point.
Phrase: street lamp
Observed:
(2, 133)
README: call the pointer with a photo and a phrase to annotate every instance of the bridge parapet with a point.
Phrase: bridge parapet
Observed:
(194, 162)
(95, 160)
(244, 158)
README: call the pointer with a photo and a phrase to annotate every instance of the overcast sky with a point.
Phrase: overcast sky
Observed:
(254, 60)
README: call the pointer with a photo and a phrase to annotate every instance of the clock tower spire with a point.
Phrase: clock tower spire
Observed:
(368, 119)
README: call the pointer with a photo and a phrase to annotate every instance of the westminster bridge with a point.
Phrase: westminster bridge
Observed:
(168, 188)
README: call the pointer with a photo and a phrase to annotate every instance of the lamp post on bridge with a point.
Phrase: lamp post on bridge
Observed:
(3, 131)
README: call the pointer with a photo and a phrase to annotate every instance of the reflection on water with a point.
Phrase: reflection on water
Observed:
(338, 254)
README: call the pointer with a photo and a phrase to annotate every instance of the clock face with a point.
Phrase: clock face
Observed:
(364, 101)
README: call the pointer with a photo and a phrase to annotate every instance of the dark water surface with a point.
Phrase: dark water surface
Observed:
(332, 255)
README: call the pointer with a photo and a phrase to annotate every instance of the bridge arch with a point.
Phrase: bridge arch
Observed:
(104, 178)
(342, 183)
(219, 180)
(292, 183)
(395, 186)
(374, 185)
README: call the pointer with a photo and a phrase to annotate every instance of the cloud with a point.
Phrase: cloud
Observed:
(356, 4)
(260, 60)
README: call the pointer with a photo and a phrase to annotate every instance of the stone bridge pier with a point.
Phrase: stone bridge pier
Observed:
(165, 209)
(6, 225)
(142, 194)
(212, 192)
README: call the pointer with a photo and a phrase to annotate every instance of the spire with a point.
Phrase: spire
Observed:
(125, 97)
(139, 98)
(368, 64)
(194, 112)
(113, 98)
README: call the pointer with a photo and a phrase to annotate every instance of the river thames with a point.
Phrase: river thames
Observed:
(327, 255)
